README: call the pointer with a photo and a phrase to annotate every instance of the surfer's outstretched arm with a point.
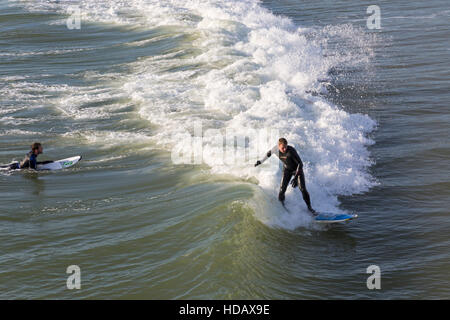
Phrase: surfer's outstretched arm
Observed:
(274, 150)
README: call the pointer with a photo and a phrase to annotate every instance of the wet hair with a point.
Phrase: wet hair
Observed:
(282, 141)
(35, 146)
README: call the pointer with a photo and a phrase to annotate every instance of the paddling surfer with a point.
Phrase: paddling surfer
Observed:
(30, 159)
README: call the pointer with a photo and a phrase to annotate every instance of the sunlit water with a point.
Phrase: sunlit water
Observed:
(367, 110)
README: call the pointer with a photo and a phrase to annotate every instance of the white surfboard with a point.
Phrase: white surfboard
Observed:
(334, 218)
(59, 164)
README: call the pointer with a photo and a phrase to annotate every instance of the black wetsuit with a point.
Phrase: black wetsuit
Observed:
(28, 162)
(292, 165)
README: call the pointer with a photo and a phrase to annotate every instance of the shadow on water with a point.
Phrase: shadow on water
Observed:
(337, 233)
(335, 242)
(339, 237)
(35, 182)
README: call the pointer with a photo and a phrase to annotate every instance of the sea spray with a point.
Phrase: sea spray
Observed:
(238, 68)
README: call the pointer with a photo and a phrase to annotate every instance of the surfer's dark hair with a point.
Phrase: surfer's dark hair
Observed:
(282, 141)
(36, 146)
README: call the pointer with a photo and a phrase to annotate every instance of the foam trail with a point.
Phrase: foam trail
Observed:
(240, 68)
(260, 70)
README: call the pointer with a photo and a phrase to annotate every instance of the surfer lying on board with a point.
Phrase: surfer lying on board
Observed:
(292, 166)
(30, 160)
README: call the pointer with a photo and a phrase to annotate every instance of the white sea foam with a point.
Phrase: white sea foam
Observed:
(251, 70)
(18, 132)
(40, 53)
(257, 70)
(107, 139)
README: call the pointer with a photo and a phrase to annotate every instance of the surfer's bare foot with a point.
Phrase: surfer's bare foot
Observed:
(313, 212)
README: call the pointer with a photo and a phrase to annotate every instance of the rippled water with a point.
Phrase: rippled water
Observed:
(367, 109)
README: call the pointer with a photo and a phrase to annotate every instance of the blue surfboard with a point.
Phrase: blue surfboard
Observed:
(334, 218)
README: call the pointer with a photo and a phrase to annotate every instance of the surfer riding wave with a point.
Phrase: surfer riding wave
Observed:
(292, 166)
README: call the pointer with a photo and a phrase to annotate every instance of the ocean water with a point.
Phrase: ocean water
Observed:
(171, 102)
